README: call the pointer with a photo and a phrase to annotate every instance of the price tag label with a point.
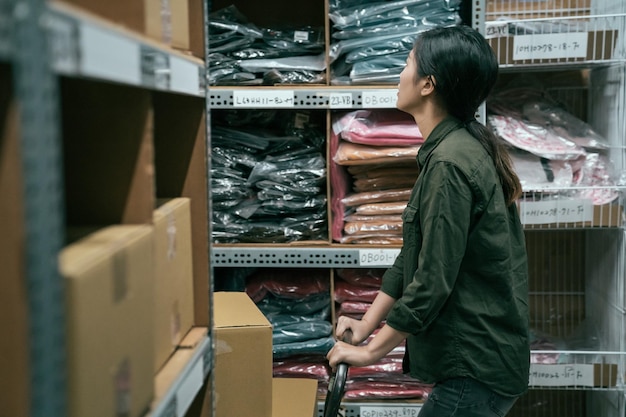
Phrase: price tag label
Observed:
(109, 56)
(263, 98)
(558, 375)
(556, 211)
(184, 76)
(391, 411)
(340, 101)
(550, 46)
(378, 257)
(380, 98)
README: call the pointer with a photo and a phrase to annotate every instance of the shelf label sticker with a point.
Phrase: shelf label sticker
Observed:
(189, 387)
(263, 98)
(560, 375)
(496, 30)
(184, 76)
(378, 257)
(390, 411)
(550, 46)
(340, 101)
(556, 211)
(109, 56)
(384, 99)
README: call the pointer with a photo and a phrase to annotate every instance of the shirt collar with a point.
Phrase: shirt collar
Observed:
(440, 131)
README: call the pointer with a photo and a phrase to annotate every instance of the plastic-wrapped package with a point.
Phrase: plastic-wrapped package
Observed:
(357, 154)
(534, 138)
(319, 346)
(298, 332)
(378, 128)
(382, 208)
(304, 306)
(357, 199)
(537, 173)
(302, 367)
(365, 277)
(288, 283)
(376, 388)
(344, 291)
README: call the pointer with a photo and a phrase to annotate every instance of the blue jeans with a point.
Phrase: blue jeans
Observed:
(465, 397)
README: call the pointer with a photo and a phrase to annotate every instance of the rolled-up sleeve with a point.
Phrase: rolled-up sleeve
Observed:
(443, 212)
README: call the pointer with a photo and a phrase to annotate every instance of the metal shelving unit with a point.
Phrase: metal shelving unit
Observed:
(42, 41)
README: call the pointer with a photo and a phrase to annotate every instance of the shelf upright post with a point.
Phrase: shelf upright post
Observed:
(37, 94)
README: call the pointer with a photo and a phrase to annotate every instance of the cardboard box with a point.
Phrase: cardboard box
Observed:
(294, 397)
(243, 357)
(14, 354)
(173, 314)
(109, 315)
(555, 49)
(196, 28)
(180, 14)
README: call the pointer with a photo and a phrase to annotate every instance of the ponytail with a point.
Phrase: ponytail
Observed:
(511, 185)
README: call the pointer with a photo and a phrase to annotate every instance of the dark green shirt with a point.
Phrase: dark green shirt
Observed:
(461, 278)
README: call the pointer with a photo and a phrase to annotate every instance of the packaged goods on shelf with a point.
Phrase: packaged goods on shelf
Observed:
(268, 180)
(244, 54)
(370, 40)
(354, 290)
(372, 172)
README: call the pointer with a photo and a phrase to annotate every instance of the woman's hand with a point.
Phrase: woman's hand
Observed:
(359, 329)
(353, 355)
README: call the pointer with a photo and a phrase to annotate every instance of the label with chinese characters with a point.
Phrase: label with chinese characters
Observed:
(263, 98)
(556, 211)
(550, 46)
(565, 375)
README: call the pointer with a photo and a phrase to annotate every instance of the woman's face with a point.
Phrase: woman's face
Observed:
(408, 88)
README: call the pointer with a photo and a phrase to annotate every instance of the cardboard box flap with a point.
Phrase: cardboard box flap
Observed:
(294, 397)
(76, 258)
(165, 206)
(236, 309)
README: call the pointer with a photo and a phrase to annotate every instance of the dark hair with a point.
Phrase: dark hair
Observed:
(465, 69)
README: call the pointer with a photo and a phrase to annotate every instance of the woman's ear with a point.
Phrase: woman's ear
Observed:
(428, 87)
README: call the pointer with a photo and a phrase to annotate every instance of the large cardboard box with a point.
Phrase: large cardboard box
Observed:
(173, 279)
(109, 278)
(243, 357)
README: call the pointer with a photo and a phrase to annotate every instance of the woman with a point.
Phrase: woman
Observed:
(458, 290)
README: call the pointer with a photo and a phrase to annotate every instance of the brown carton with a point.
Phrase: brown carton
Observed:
(173, 314)
(109, 315)
(243, 357)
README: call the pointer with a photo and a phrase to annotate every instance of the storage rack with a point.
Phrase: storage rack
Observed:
(40, 42)
(602, 232)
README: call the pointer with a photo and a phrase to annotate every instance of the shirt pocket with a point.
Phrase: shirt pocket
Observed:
(411, 233)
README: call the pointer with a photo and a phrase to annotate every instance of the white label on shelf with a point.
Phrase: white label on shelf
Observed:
(377, 257)
(110, 56)
(556, 211)
(300, 35)
(340, 100)
(496, 30)
(189, 388)
(380, 98)
(561, 375)
(184, 76)
(391, 411)
(550, 46)
(263, 98)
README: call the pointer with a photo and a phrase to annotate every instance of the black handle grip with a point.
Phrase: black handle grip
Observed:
(337, 383)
